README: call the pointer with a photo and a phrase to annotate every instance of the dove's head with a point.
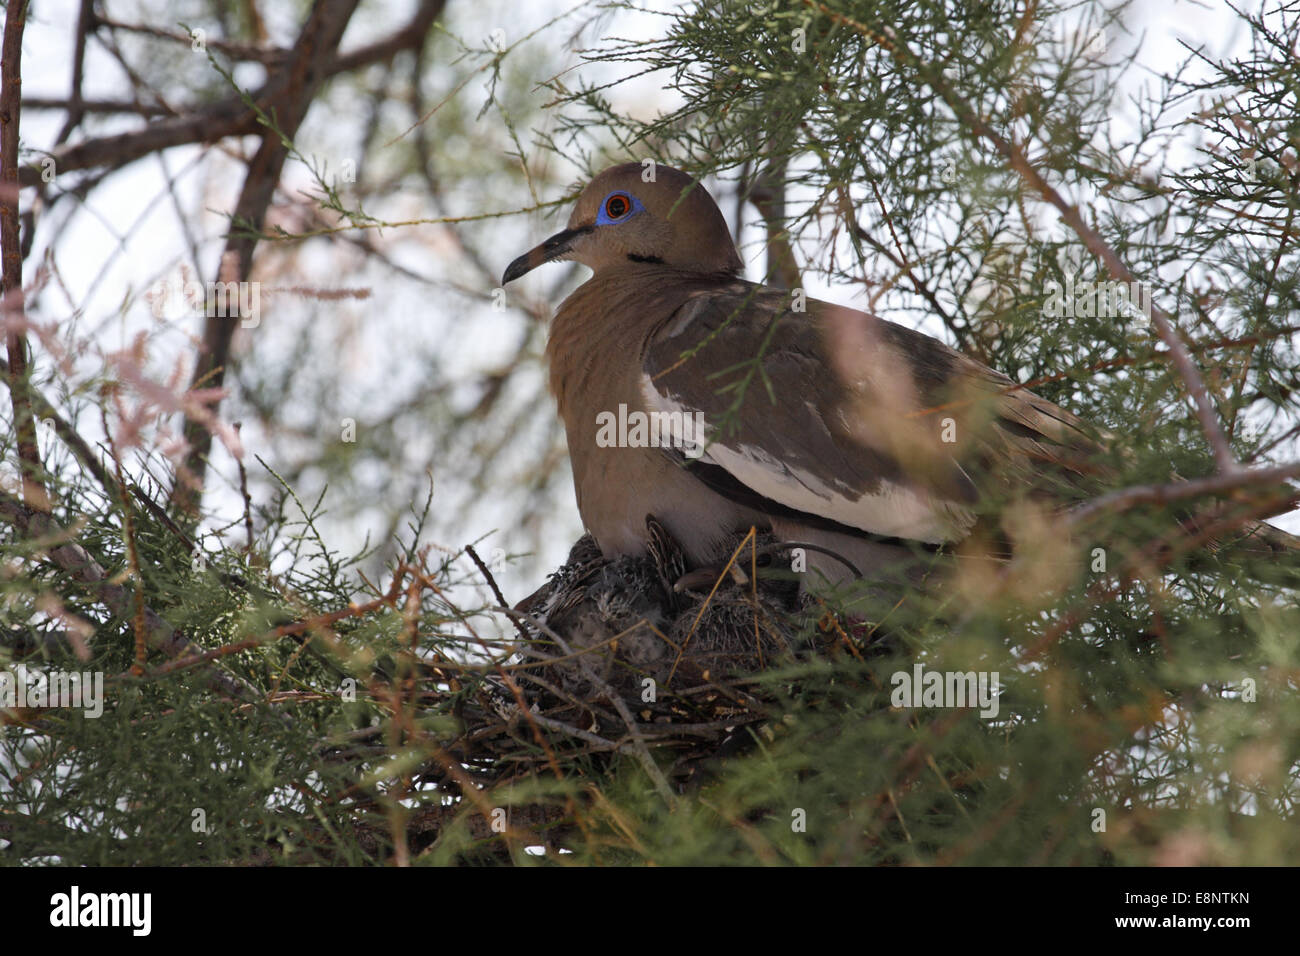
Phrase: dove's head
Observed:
(640, 213)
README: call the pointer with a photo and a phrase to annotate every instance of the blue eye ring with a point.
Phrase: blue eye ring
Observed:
(617, 207)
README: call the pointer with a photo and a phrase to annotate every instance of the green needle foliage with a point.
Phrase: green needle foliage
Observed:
(1147, 664)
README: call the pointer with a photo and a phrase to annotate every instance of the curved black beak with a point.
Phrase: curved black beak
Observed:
(556, 247)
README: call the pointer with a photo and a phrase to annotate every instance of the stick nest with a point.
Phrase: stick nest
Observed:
(636, 653)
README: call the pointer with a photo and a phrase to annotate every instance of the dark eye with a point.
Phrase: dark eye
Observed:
(616, 206)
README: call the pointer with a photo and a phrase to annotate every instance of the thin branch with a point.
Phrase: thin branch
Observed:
(228, 117)
(317, 43)
(407, 38)
(85, 23)
(269, 56)
(132, 558)
(95, 106)
(496, 590)
(78, 445)
(1177, 491)
(14, 311)
(224, 118)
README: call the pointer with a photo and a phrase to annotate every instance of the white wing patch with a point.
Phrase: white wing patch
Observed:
(892, 509)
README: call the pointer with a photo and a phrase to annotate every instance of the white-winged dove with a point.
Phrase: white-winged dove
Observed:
(826, 425)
